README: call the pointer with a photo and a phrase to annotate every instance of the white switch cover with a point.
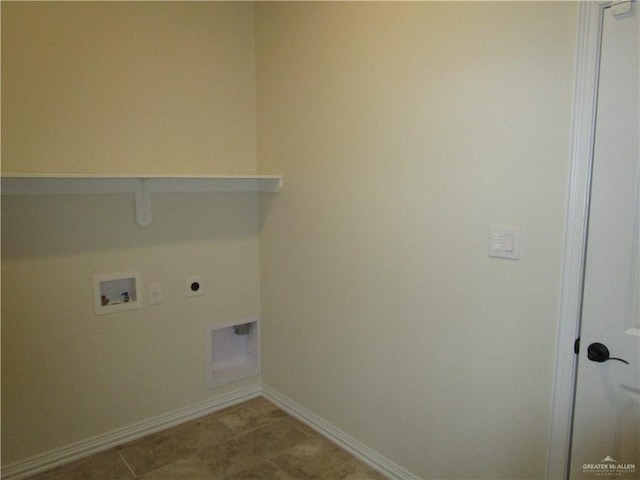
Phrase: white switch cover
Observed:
(504, 242)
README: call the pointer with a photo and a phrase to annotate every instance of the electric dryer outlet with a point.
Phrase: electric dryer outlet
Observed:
(194, 286)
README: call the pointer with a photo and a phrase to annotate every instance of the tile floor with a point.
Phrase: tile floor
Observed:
(251, 441)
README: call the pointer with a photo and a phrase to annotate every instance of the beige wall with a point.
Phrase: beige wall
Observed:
(120, 87)
(404, 130)
(68, 375)
(128, 87)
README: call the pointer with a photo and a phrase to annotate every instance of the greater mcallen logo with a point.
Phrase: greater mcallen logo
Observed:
(609, 466)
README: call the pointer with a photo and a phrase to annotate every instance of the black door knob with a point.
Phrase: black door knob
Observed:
(597, 352)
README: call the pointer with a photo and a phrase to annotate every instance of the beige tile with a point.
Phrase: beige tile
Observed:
(107, 465)
(167, 446)
(303, 427)
(251, 441)
(364, 472)
(264, 471)
(318, 458)
(151, 452)
(201, 433)
(184, 469)
(250, 415)
(251, 449)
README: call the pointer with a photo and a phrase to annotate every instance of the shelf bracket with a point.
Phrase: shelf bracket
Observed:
(143, 203)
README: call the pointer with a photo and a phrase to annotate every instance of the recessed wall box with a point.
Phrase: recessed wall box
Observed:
(233, 351)
(115, 292)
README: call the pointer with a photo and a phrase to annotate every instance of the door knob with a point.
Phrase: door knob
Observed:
(597, 352)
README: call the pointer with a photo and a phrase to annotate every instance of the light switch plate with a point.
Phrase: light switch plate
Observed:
(504, 242)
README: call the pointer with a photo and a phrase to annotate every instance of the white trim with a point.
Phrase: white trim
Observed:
(348, 443)
(586, 88)
(103, 442)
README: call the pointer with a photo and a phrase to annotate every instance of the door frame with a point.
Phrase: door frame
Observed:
(582, 140)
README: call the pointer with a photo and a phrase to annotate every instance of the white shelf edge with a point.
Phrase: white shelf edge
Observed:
(142, 186)
(129, 175)
(55, 183)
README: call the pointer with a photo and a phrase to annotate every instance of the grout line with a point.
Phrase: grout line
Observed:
(127, 464)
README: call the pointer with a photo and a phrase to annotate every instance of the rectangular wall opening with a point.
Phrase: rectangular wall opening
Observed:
(115, 292)
(233, 351)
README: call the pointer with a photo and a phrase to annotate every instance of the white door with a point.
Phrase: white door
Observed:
(606, 428)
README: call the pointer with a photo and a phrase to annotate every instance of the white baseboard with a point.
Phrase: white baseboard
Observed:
(350, 444)
(103, 442)
(76, 451)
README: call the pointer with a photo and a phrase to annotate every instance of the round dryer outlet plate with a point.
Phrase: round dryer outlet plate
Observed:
(194, 286)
